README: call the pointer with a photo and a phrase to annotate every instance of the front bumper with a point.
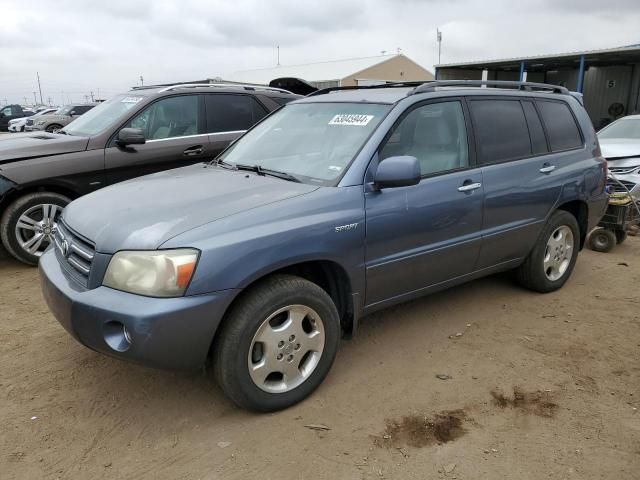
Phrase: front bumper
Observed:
(161, 332)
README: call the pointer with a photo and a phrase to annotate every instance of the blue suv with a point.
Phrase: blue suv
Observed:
(334, 206)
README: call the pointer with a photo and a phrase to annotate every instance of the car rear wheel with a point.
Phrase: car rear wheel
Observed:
(28, 224)
(277, 344)
(53, 128)
(554, 255)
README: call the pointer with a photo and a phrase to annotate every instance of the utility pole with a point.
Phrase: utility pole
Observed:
(35, 100)
(49, 101)
(439, 37)
(141, 81)
(91, 96)
(278, 49)
(39, 88)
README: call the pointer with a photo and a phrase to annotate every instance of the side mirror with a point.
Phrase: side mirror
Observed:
(130, 136)
(402, 171)
(1, 114)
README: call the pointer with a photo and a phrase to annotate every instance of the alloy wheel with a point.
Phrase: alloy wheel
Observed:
(286, 349)
(36, 227)
(558, 253)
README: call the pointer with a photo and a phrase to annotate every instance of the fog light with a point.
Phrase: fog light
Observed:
(117, 336)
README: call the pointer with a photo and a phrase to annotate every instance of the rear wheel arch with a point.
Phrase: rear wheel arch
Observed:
(580, 210)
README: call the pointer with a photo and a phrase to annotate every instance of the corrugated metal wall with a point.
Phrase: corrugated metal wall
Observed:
(604, 86)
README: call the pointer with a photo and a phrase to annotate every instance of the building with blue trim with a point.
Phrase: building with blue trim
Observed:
(609, 79)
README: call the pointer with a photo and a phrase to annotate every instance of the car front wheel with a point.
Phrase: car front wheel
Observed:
(28, 224)
(277, 344)
(554, 255)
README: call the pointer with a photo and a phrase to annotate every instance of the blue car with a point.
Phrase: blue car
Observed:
(334, 206)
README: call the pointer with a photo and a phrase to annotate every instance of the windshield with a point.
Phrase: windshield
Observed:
(626, 128)
(313, 141)
(102, 116)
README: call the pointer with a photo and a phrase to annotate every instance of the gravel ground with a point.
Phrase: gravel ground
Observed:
(531, 386)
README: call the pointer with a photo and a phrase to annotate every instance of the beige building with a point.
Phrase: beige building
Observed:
(340, 73)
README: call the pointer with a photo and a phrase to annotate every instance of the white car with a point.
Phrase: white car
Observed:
(18, 124)
(620, 145)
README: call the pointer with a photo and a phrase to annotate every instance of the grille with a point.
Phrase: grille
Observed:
(74, 252)
(623, 170)
(615, 187)
(29, 121)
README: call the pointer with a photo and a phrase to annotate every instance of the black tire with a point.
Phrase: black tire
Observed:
(602, 240)
(231, 349)
(531, 274)
(621, 236)
(53, 127)
(10, 217)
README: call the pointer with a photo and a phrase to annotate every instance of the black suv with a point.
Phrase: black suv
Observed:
(142, 131)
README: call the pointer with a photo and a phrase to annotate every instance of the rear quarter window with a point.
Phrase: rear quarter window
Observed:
(501, 130)
(562, 130)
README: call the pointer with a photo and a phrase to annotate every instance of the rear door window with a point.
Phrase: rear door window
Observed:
(228, 113)
(562, 129)
(538, 140)
(501, 130)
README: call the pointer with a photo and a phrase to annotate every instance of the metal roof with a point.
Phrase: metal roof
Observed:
(591, 55)
(313, 72)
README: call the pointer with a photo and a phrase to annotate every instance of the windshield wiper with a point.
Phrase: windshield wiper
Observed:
(218, 162)
(267, 171)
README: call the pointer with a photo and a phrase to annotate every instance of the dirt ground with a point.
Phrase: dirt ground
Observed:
(532, 386)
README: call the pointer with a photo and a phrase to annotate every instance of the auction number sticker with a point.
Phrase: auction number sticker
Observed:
(351, 119)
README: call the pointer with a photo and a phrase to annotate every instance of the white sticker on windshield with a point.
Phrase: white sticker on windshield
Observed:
(131, 99)
(351, 119)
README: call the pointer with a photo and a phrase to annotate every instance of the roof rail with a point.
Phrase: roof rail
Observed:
(529, 86)
(365, 87)
(223, 85)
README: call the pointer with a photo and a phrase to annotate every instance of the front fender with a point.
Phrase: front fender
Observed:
(238, 250)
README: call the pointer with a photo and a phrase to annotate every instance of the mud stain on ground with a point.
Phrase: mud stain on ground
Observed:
(536, 403)
(421, 430)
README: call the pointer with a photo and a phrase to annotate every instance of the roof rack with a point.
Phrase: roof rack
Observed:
(223, 85)
(529, 86)
(365, 87)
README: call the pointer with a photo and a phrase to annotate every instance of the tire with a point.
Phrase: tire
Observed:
(602, 240)
(540, 271)
(621, 236)
(238, 347)
(34, 207)
(52, 128)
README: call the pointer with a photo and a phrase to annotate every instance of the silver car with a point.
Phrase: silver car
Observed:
(59, 119)
(620, 144)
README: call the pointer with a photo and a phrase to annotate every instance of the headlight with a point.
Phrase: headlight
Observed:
(41, 122)
(156, 273)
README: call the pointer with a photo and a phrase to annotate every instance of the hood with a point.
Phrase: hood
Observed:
(613, 148)
(144, 213)
(22, 146)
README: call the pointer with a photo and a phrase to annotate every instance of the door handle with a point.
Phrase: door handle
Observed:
(469, 187)
(547, 168)
(197, 150)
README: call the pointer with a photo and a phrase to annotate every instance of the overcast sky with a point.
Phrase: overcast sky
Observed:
(104, 46)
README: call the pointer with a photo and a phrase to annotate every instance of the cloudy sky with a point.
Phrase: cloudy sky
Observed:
(79, 46)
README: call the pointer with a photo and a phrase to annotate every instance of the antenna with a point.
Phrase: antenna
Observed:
(39, 88)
